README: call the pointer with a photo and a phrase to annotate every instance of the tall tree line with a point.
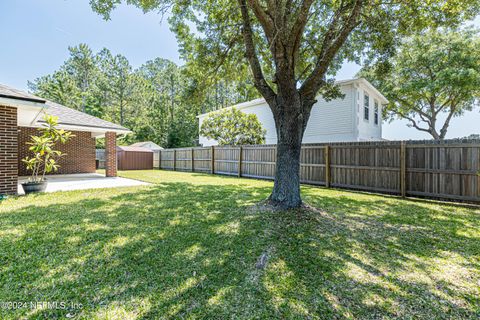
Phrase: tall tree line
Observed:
(158, 101)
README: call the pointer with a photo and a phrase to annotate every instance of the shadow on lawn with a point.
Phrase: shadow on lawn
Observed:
(179, 250)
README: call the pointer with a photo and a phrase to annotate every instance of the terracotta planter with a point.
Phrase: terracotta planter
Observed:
(34, 187)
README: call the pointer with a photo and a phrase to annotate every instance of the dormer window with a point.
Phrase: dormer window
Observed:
(366, 107)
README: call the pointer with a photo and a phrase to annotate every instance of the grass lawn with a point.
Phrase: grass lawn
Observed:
(189, 246)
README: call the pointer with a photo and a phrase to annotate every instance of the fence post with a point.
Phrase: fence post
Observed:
(159, 159)
(174, 159)
(403, 163)
(240, 162)
(193, 160)
(212, 155)
(327, 166)
(477, 169)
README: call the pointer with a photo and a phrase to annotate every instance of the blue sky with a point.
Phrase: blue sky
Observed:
(36, 35)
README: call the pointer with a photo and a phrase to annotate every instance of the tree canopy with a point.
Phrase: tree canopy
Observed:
(158, 101)
(436, 72)
(293, 49)
(210, 32)
(233, 127)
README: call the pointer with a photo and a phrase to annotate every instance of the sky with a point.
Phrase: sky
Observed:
(36, 36)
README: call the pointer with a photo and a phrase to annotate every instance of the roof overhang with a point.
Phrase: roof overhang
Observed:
(30, 110)
(97, 132)
(29, 115)
(27, 111)
(29, 99)
(366, 83)
(19, 103)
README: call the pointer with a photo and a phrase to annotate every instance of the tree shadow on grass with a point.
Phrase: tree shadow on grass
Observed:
(179, 250)
(348, 270)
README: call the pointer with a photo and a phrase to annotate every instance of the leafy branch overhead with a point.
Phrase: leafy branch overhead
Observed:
(233, 127)
(308, 33)
(292, 48)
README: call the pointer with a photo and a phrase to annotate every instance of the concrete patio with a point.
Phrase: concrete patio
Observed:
(69, 182)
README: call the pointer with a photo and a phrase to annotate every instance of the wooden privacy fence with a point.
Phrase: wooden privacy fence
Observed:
(156, 159)
(129, 158)
(100, 158)
(439, 170)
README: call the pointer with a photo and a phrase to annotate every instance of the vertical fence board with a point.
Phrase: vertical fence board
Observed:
(240, 152)
(327, 166)
(403, 179)
(446, 170)
(212, 158)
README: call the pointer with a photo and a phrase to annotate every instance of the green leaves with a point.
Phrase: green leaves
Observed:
(44, 156)
(435, 72)
(159, 101)
(233, 127)
(208, 30)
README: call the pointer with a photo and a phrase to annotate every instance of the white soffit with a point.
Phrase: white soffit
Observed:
(27, 111)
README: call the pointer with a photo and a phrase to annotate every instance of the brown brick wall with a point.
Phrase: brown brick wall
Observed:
(111, 154)
(79, 150)
(8, 150)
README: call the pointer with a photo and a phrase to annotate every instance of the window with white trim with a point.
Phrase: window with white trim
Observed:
(376, 117)
(366, 107)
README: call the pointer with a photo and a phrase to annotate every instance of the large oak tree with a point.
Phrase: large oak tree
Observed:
(293, 47)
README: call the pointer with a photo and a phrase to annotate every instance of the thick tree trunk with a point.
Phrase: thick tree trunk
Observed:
(291, 104)
(286, 189)
(290, 120)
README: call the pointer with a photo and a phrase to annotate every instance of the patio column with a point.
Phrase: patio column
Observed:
(111, 154)
(8, 150)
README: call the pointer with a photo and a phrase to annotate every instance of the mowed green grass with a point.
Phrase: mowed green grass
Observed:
(187, 247)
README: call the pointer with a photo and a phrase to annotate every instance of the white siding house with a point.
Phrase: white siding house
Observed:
(356, 117)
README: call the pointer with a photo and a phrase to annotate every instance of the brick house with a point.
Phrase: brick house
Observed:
(21, 113)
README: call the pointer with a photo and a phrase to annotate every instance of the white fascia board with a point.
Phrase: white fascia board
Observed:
(17, 103)
(98, 134)
(375, 90)
(94, 130)
(27, 111)
(37, 108)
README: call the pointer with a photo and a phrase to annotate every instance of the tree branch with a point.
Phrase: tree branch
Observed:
(419, 110)
(259, 79)
(333, 41)
(415, 125)
(443, 131)
(300, 23)
(264, 19)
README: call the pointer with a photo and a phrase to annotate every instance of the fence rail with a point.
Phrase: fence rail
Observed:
(447, 170)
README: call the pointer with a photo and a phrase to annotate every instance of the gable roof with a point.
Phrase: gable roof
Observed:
(71, 117)
(145, 143)
(140, 144)
(67, 117)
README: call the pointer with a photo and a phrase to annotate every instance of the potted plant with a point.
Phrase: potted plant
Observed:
(44, 157)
